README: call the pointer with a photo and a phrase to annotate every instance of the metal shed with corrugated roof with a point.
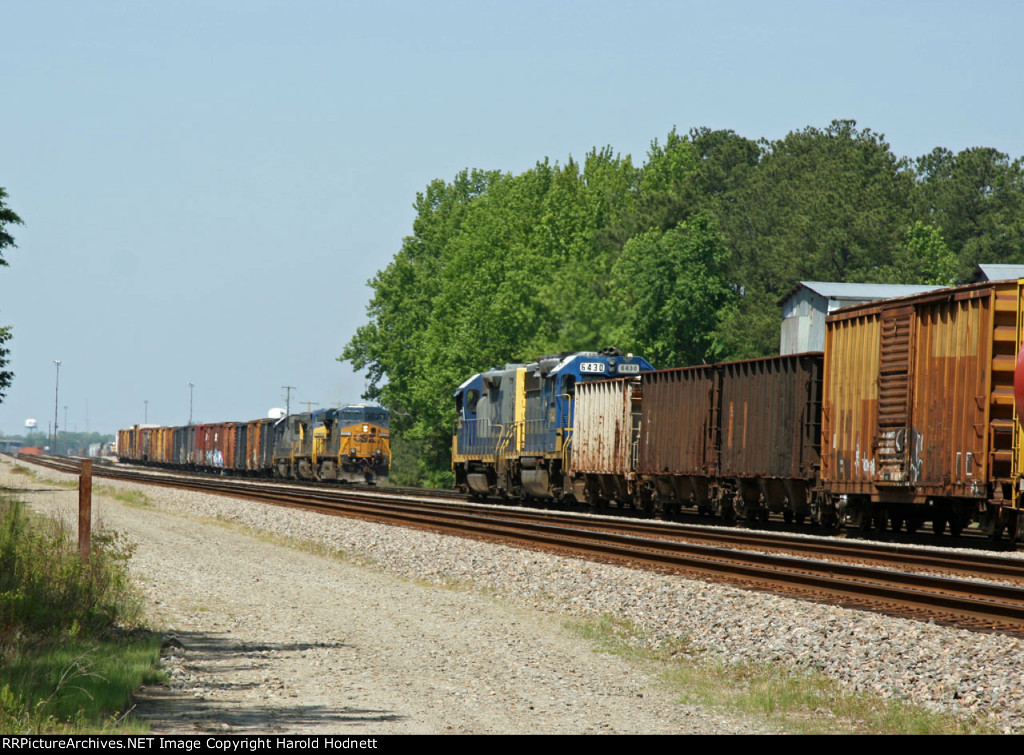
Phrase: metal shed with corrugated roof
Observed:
(805, 308)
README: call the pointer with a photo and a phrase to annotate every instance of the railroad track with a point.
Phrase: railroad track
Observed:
(871, 576)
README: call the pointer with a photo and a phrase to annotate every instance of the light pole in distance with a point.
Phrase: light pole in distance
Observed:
(56, 393)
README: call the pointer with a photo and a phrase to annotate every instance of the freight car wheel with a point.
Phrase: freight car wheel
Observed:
(938, 524)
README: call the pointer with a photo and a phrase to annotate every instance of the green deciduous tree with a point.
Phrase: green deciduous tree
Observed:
(7, 219)
(923, 258)
(498, 268)
(6, 376)
(671, 292)
(683, 259)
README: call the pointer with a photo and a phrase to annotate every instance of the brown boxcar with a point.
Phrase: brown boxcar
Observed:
(678, 427)
(918, 408)
(259, 446)
(209, 450)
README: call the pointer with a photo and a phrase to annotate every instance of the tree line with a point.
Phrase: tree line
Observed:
(683, 259)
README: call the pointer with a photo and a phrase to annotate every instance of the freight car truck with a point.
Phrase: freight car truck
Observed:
(919, 421)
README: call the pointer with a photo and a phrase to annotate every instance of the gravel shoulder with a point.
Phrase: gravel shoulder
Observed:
(269, 638)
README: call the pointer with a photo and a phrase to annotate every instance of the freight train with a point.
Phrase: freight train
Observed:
(909, 416)
(515, 423)
(345, 444)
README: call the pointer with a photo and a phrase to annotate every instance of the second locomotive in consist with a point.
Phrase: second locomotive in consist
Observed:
(347, 444)
(515, 427)
(908, 416)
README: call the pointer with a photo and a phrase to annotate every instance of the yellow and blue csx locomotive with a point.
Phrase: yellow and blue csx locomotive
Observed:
(346, 444)
(514, 431)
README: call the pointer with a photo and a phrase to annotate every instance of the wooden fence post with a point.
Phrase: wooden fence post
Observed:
(85, 509)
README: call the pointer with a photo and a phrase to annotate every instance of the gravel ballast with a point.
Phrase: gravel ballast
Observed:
(276, 639)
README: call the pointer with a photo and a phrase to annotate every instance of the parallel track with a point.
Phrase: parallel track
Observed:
(672, 548)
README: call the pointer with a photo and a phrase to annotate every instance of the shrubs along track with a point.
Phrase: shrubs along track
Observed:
(70, 650)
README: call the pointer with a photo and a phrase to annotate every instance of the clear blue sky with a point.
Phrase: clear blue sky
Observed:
(208, 186)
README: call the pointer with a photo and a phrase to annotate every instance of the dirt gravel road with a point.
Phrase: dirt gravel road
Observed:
(275, 639)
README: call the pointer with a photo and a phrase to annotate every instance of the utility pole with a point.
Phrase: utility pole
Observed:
(191, 385)
(288, 399)
(56, 394)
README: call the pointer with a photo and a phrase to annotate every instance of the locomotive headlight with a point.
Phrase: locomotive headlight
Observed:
(366, 428)
(351, 452)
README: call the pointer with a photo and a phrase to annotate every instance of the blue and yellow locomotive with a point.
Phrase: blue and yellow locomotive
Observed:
(346, 444)
(513, 434)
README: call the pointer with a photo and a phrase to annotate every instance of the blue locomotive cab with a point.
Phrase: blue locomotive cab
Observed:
(486, 416)
(513, 434)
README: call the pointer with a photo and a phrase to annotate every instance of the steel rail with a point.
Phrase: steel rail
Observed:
(976, 604)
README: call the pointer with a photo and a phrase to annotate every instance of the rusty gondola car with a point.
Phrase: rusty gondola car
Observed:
(602, 452)
(739, 439)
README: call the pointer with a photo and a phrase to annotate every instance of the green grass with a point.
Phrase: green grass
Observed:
(68, 662)
(795, 701)
(135, 498)
(46, 589)
(76, 686)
